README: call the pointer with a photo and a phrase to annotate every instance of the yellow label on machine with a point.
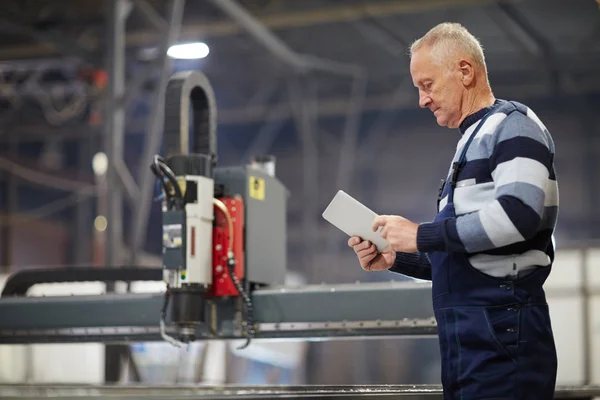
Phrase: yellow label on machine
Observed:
(182, 185)
(256, 188)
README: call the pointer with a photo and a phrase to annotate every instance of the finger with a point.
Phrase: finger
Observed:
(361, 246)
(353, 241)
(367, 251)
(389, 257)
(380, 220)
(384, 232)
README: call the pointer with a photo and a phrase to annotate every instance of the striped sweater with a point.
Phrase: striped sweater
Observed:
(506, 198)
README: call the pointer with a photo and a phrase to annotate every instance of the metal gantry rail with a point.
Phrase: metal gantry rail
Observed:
(363, 392)
(311, 311)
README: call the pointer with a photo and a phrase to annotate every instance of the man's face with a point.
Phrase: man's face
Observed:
(440, 87)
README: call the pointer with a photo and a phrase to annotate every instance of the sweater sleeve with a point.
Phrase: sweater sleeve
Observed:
(521, 165)
(415, 265)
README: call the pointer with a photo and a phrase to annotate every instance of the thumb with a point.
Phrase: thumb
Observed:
(380, 220)
(389, 256)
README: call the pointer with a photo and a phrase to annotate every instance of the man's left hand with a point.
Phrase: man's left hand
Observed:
(399, 233)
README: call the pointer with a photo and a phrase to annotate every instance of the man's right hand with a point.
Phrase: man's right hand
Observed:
(369, 258)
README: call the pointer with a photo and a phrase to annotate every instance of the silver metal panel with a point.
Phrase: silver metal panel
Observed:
(266, 232)
(364, 392)
(314, 311)
(109, 310)
(265, 246)
(114, 126)
(347, 302)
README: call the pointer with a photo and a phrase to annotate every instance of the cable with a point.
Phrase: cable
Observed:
(47, 180)
(163, 315)
(249, 318)
(160, 165)
(44, 211)
(250, 330)
(221, 206)
(162, 170)
(162, 181)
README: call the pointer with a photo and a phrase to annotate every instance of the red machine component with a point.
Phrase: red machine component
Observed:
(222, 283)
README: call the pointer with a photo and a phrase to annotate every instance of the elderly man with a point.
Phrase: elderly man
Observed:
(489, 250)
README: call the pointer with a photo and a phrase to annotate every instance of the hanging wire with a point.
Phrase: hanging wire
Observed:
(46, 179)
(44, 211)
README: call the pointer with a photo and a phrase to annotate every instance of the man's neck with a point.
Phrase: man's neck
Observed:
(479, 100)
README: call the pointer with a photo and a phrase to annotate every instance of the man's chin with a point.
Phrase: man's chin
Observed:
(441, 121)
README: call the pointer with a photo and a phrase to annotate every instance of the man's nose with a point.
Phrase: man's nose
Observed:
(424, 100)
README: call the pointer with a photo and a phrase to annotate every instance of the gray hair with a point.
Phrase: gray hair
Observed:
(449, 38)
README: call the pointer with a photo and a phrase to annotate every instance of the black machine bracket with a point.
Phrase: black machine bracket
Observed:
(190, 90)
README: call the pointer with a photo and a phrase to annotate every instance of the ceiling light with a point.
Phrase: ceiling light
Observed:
(188, 51)
(100, 164)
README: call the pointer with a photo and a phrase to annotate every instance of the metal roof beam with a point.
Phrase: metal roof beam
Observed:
(52, 39)
(544, 46)
(151, 15)
(285, 20)
(278, 47)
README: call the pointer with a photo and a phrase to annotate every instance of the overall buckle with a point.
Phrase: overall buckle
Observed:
(455, 170)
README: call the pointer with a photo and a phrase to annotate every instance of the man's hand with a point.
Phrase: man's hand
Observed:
(399, 233)
(369, 258)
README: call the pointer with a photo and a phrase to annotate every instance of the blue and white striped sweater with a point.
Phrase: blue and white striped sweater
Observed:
(506, 198)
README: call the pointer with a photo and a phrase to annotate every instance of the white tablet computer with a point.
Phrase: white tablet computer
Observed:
(353, 218)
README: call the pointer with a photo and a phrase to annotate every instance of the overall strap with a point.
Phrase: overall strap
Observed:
(458, 165)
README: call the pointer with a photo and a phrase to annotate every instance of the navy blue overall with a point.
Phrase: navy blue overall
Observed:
(495, 336)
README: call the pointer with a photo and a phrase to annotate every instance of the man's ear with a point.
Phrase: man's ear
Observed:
(467, 72)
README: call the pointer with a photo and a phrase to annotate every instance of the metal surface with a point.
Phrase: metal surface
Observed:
(302, 98)
(114, 143)
(265, 223)
(313, 311)
(11, 207)
(586, 306)
(347, 302)
(389, 40)
(312, 331)
(364, 392)
(84, 213)
(347, 155)
(114, 126)
(548, 56)
(281, 20)
(278, 47)
(151, 15)
(16, 22)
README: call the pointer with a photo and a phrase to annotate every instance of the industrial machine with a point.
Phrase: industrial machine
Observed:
(216, 221)
(223, 261)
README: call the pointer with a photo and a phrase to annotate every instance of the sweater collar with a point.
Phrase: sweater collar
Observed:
(476, 116)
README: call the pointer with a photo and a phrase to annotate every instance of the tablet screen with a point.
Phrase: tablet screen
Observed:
(353, 218)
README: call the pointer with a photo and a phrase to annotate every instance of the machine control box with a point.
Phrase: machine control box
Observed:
(265, 204)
